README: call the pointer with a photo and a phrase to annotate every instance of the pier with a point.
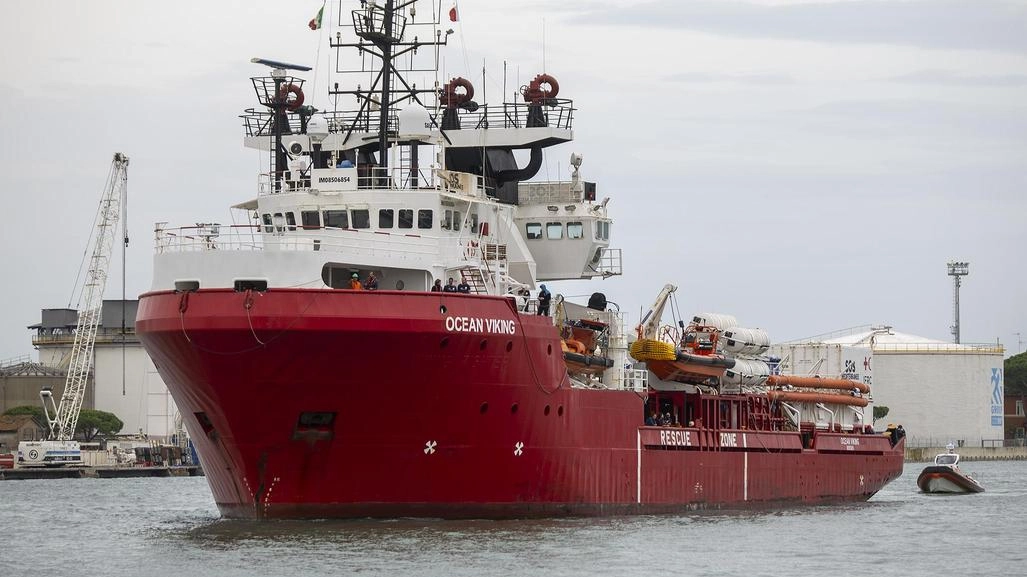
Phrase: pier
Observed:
(24, 473)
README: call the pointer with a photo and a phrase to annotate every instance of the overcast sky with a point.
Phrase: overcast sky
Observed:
(805, 166)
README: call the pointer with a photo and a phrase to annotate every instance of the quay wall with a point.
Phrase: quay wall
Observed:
(926, 454)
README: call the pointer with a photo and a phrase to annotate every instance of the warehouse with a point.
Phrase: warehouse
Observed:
(940, 392)
(125, 381)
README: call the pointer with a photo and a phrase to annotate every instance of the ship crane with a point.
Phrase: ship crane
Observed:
(59, 448)
(649, 326)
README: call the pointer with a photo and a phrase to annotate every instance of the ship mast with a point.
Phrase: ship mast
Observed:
(380, 28)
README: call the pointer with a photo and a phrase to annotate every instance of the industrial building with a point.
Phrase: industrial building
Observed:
(125, 381)
(940, 392)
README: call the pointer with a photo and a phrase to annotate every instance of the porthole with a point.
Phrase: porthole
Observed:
(549, 350)
(545, 411)
(559, 411)
(509, 346)
(442, 309)
(484, 343)
(443, 342)
(484, 408)
(513, 409)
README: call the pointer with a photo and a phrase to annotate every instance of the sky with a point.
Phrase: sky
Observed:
(806, 166)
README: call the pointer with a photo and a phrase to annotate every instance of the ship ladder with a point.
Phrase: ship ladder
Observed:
(407, 170)
(473, 277)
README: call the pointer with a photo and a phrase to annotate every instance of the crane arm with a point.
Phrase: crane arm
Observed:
(650, 323)
(63, 423)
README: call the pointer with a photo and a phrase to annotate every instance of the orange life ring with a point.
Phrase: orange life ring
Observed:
(451, 98)
(297, 94)
(534, 92)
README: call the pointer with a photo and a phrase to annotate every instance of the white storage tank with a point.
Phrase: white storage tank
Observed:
(940, 392)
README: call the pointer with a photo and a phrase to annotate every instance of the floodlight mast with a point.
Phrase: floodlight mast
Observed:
(957, 270)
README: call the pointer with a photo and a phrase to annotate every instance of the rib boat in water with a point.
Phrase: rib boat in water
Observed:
(308, 397)
(945, 476)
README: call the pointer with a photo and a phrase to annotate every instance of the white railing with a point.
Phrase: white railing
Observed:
(610, 263)
(940, 348)
(548, 192)
(249, 237)
(376, 178)
(635, 379)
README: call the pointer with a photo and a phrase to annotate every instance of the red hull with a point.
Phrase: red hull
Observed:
(434, 413)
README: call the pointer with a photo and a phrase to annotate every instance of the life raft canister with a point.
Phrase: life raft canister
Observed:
(534, 91)
(297, 96)
(450, 98)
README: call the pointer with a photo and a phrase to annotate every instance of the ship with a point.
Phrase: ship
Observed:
(310, 395)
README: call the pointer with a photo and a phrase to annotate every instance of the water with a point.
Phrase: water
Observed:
(158, 527)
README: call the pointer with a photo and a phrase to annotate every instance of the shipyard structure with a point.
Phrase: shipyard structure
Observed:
(124, 380)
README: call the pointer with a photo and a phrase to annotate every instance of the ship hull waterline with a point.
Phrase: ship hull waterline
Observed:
(333, 403)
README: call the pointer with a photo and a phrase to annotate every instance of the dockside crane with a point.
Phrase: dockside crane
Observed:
(59, 448)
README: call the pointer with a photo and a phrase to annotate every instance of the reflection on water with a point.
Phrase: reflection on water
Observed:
(159, 527)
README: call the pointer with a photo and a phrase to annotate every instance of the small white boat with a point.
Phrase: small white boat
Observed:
(945, 476)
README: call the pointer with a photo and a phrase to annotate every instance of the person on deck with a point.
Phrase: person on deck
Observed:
(450, 287)
(463, 287)
(437, 287)
(354, 282)
(371, 283)
(544, 298)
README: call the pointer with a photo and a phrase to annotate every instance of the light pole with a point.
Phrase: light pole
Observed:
(957, 270)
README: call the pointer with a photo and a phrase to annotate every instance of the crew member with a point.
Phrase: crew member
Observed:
(354, 282)
(544, 299)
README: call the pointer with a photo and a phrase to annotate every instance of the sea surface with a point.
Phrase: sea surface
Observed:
(165, 527)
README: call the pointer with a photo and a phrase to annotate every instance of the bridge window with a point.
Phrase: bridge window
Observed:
(456, 220)
(602, 230)
(533, 230)
(406, 218)
(336, 219)
(290, 219)
(554, 230)
(267, 223)
(386, 217)
(361, 218)
(575, 230)
(425, 218)
(311, 219)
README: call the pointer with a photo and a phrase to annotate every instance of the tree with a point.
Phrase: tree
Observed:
(35, 412)
(880, 412)
(92, 423)
(1015, 369)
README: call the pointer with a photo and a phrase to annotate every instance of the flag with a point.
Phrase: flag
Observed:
(315, 22)
(452, 13)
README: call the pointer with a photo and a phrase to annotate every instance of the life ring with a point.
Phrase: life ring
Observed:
(297, 94)
(534, 92)
(451, 98)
